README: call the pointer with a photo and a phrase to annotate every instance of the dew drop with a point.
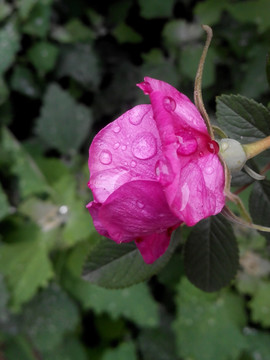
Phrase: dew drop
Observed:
(116, 146)
(105, 157)
(209, 170)
(116, 129)
(144, 146)
(164, 172)
(124, 147)
(201, 154)
(136, 119)
(213, 147)
(186, 145)
(169, 103)
(140, 204)
(133, 163)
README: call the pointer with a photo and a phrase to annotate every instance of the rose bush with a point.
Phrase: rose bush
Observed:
(152, 169)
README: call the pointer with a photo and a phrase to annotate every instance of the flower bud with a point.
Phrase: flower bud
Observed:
(233, 154)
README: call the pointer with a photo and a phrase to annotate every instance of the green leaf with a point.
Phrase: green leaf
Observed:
(209, 12)
(5, 10)
(38, 21)
(26, 267)
(158, 344)
(115, 266)
(31, 180)
(80, 62)
(259, 343)
(156, 8)
(69, 349)
(134, 303)
(122, 352)
(63, 124)
(125, 34)
(259, 204)
(78, 31)
(9, 45)
(242, 119)
(252, 12)
(43, 56)
(4, 297)
(23, 81)
(18, 348)
(26, 6)
(48, 317)
(268, 68)
(208, 326)
(259, 305)
(4, 205)
(211, 254)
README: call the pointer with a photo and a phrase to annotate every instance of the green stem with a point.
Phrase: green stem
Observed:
(257, 147)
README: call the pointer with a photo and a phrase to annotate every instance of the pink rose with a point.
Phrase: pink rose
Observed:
(152, 169)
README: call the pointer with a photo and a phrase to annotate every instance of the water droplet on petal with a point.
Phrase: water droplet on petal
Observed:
(140, 204)
(133, 163)
(116, 146)
(209, 170)
(164, 172)
(169, 103)
(201, 154)
(105, 157)
(116, 129)
(187, 145)
(185, 196)
(124, 147)
(144, 146)
(213, 147)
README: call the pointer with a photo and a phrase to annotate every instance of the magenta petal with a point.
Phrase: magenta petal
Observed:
(153, 246)
(135, 210)
(93, 208)
(125, 150)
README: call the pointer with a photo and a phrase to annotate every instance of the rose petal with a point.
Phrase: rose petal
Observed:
(153, 246)
(93, 208)
(127, 149)
(135, 210)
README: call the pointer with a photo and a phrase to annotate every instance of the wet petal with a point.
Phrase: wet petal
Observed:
(93, 208)
(127, 149)
(153, 246)
(135, 210)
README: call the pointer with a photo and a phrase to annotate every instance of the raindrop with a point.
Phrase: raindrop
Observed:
(209, 170)
(185, 196)
(116, 145)
(133, 163)
(105, 157)
(124, 147)
(186, 145)
(140, 204)
(169, 103)
(213, 147)
(144, 146)
(116, 129)
(164, 172)
(201, 154)
(136, 119)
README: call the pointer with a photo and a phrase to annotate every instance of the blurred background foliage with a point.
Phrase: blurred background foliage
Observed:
(67, 68)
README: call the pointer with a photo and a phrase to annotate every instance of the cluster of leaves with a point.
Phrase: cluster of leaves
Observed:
(66, 69)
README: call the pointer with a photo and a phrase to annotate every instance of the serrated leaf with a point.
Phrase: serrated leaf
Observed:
(211, 254)
(26, 267)
(9, 45)
(38, 21)
(48, 317)
(208, 326)
(122, 352)
(43, 56)
(209, 11)
(23, 81)
(31, 180)
(126, 34)
(134, 303)
(259, 204)
(115, 266)
(80, 62)
(156, 8)
(259, 305)
(63, 124)
(243, 119)
(25, 6)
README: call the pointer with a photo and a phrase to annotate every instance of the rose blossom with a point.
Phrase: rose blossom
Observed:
(152, 169)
